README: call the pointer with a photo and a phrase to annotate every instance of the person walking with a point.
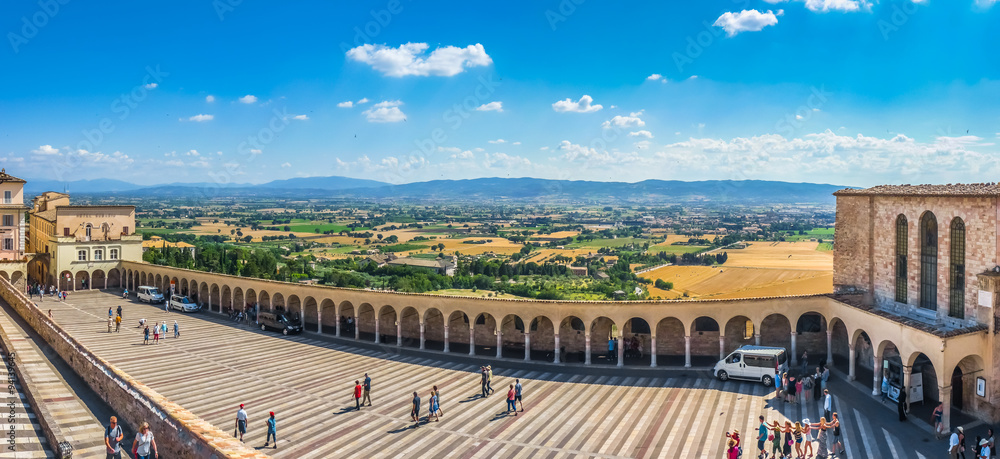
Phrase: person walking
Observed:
(112, 439)
(144, 443)
(110, 323)
(822, 439)
(901, 405)
(517, 393)
(961, 442)
(775, 439)
(241, 422)
(110, 315)
(797, 433)
(885, 386)
(177, 330)
(790, 390)
(761, 436)
(415, 410)
(837, 443)
(953, 445)
(432, 404)
(272, 430)
(164, 331)
(437, 393)
(990, 442)
(357, 394)
(826, 376)
(482, 381)
(156, 333)
(489, 379)
(511, 404)
(984, 449)
(367, 387)
(805, 362)
(611, 350)
(145, 334)
(119, 310)
(827, 404)
(118, 322)
(807, 432)
(936, 420)
(732, 452)
(817, 384)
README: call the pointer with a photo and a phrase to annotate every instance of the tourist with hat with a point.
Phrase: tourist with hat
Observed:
(272, 430)
(241, 422)
(953, 444)
(984, 449)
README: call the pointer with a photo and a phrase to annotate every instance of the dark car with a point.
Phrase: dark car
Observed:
(269, 320)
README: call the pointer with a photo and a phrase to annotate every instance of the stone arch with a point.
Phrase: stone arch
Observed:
(572, 339)
(670, 333)
(433, 329)
(82, 280)
(409, 327)
(250, 297)
(98, 279)
(239, 299)
(636, 340)
(705, 333)
(264, 299)
(158, 283)
(542, 346)
(114, 278)
(204, 296)
(294, 308)
(776, 330)
(387, 323)
(176, 284)
(214, 298)
(810, 330)
(4, 275)
(739, 331)
(16, 277)
(182, 287)
(142, 279)
(310, 314)
(602, 330)
(193, 290)
(922, 367)
(485, 330)
(963, 384)
(840, 341)
(458, 332)
(366, 321)
(278, 302)
(65, 281)
(512, 328)
(341, 313)
(226, 298)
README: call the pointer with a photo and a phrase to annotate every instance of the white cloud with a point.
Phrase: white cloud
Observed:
(746, 21)
(412, 59)
(301, 117)
(643, 133)
(201, 118)
(209, 98)
(654, 77)
(497, 141)
(248, 99)
(491, 107)
(581, 106)
(391, 169)
(463, 155)
(574, 152)
(505, 161)
(286, 165)
(192, 153)
(824, 6)
(150, 85)
(46, 150)
(385, 112)
(346, 104)
(516, 143)
(630, 121)
(364, 100)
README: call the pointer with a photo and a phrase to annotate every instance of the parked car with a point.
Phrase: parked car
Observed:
(183, 303)
(270, 320)
(755, 363)
(149, 294)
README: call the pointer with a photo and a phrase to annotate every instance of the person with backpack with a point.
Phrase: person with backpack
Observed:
(112, 439)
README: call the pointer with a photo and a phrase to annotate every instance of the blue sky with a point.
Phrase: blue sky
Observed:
(834, 91)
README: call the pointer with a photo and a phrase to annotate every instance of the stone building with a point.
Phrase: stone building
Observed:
(80, 247)
(13, 264)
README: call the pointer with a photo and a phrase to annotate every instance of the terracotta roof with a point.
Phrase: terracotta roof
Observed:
(49, 215)
(956, 189)
(5, 177)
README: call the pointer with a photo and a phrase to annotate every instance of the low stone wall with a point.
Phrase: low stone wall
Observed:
(50, 428)
(181, 434)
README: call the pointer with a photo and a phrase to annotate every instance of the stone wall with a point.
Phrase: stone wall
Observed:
(851, 246)
(181, 433)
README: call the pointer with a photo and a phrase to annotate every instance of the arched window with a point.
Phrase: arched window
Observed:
(928, 261)
(956, 306)
(901, 244)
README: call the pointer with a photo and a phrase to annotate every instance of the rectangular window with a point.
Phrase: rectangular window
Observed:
(98, 254)
(8, 244)
(8, 220)
(6, 197)
(65, 231)
(81, 255)
(125, 230)
(113, 254)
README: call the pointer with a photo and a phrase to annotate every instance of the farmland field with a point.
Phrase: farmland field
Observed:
(786, 255)
(815, 233)
(598, 243)
(732, 282)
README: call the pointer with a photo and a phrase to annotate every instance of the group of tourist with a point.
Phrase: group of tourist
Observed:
(143, 447)
(983, 448)
(160, 328)
(40, 291)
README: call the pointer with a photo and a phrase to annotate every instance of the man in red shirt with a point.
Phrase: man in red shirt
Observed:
(357, 394)
(511, 397)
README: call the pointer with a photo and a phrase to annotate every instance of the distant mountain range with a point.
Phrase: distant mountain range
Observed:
(482, 189)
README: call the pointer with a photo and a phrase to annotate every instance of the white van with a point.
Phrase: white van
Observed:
(754, 363)
(149, 294)
(183, 303)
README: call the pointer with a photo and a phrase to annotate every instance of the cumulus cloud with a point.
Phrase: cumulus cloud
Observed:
(412, 59)
(463, 155)
(202, 117)
(642, 133)
(346, 104)
(364, 100)
(248, 99)
(497, 141)
(210, 98)
(584, 105)
(385, 112)
(192, 153)
(824, 6)
(46, 150)
(746, 21)
(630, 121)
(654, 77)
(301, 117)
(391, 169)
(150, 85)
(505, 161)
(491, 107)
(516, 143)
(573, 152)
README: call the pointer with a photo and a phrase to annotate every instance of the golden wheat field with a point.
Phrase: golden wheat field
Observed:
(787, 255)
(741, 282)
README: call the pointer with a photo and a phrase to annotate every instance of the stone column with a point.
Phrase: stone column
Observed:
(877, 378)
(556, 351)
(499, 344)
(756, 339)
(944, 394)
(422, 343)
(621, 350)
(907, 371)
(851, 364)
(377, 337)
(829, 348)
(399, 333)
(795, 353)
(357, 327)
(105, 282)
(472, 339)
(687, 351)
(447, 347)
(722, 347)
(586, 356)
(652, 351)
(527, 346)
